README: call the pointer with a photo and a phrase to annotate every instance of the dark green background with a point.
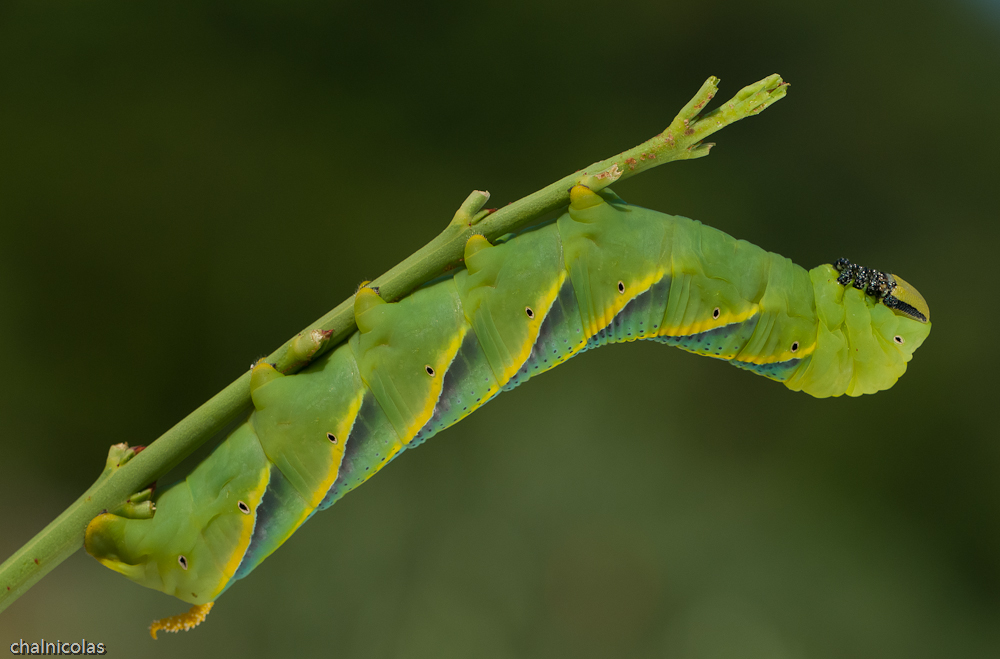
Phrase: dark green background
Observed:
(183, 186)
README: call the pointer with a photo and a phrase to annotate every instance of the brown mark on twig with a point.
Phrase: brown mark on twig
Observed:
(612, 173)
(631, 163)
(702, 104)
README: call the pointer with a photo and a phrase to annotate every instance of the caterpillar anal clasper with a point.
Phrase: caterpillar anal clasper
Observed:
(603, 272)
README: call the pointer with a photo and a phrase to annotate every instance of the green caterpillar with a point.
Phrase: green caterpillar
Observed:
(603, 272)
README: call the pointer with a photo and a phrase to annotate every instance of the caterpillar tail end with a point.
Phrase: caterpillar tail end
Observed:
(184, 621)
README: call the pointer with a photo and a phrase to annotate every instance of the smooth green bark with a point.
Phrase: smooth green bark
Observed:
(127, 472)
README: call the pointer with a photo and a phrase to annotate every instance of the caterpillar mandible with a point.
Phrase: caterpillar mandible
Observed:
(602, 272)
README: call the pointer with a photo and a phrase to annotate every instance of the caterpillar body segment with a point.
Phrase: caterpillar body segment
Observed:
(603, 272)
(193, 545)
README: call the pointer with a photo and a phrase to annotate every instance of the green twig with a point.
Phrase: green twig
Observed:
(127, 472)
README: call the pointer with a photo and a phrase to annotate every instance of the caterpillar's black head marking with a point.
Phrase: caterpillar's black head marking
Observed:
(887, 289)
(904, 308)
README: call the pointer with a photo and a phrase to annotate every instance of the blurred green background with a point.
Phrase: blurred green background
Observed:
(183, 186)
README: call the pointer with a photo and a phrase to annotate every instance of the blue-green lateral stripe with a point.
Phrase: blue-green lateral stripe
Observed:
(275, 514)
(469, 383)
(779, 371)
(560, 337)
(372, 443)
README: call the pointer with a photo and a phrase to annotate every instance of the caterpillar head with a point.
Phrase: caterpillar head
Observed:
(905, 300)
(870, 324)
